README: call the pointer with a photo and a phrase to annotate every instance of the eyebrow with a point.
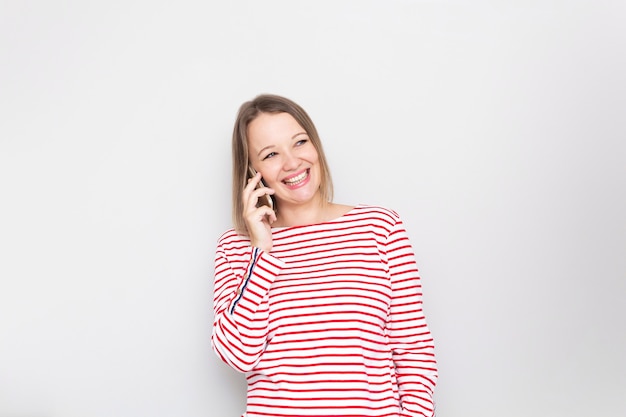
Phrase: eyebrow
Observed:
(292, 138)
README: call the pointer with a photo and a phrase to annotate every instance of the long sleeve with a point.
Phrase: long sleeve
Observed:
(240, 304)
(411, 341)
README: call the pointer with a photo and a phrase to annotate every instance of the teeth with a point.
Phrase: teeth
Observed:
(297, 180)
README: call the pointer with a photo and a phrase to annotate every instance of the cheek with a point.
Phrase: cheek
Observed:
(271, 170)
(312, 155)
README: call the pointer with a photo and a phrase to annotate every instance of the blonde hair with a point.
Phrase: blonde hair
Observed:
(250, 110)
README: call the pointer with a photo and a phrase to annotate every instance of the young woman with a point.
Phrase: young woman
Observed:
(318, 303)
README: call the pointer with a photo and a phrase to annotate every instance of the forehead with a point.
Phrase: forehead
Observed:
(272, 127)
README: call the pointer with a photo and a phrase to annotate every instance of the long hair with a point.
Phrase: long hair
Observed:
(250, 110)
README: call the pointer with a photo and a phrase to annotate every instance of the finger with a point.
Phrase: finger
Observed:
(252, 182)
(246, 194)
(259, 198)
(256, 176)
(263, 196)
(265, 213)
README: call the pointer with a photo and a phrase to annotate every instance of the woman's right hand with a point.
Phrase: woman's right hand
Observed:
(258, 219)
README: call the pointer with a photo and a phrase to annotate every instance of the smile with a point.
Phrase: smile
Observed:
(297, 179)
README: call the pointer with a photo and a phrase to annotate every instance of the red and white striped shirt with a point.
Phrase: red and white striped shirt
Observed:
(330, 322)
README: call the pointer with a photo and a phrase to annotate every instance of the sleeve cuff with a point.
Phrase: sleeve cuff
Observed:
(261, 273)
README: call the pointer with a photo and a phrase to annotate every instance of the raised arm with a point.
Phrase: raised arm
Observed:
(240, 305)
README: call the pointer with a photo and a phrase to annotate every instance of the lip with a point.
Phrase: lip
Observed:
(300, 184)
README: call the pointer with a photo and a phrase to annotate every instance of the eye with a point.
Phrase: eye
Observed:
(269, 155)
(301, 142)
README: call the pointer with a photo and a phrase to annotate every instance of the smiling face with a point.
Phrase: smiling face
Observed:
(280, 149)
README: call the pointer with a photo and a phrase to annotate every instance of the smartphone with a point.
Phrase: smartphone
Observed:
(265, 199)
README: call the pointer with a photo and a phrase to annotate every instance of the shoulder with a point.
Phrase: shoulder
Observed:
(377, 212)
(232, 240)
(379, 219)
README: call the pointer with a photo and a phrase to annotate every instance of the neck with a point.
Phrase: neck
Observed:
(312, 212)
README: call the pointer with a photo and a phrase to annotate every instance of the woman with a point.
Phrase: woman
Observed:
(318, 303)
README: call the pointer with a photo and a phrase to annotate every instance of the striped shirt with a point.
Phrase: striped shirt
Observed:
(329, 322)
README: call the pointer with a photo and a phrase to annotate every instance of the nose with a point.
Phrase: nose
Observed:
(290, 162)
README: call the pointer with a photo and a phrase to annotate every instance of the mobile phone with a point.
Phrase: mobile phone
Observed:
(265, 199)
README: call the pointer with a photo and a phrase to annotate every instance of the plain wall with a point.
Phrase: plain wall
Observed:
(496, 129)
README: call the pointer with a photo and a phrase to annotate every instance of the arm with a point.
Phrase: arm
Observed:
(411, 342)
(240, 305)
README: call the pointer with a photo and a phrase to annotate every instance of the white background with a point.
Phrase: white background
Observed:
(496, 129)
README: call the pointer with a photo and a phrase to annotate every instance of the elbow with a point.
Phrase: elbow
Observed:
(234, 356)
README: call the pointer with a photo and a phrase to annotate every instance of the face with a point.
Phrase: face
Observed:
(282, 152)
